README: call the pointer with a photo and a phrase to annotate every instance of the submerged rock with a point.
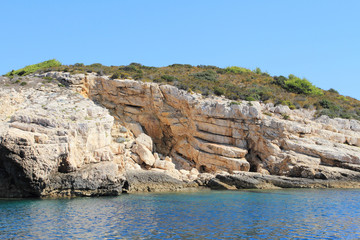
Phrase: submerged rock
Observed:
(152, 181)
(248, 180)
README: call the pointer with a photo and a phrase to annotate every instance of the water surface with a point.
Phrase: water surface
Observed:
(275, 214)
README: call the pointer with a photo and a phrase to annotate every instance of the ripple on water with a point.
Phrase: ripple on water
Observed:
(280, 214)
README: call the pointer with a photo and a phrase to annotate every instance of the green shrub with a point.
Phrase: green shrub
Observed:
(280, 80)
(33, 68)
(116, 75)
(235, 103)
(205, 92)
(333, 91)
(301, 86)
(207, 67)
(181, 65)
(343, 98)
(221, 71)
(182, 86)
(137, 76)
(96, 65)
(218, 91)
(257, 70)
(326, 103)
(285, 116)
(23, 83)
(329, 112)
(307, 106)
(250, 99)
(236, 70)
(120, 75)
(169, 78)
(335, 111)
(138, 65)
(267, 113)
(208, 75)
(287, 103)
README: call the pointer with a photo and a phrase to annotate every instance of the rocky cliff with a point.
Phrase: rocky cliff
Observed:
(52, 141)
(125, 134)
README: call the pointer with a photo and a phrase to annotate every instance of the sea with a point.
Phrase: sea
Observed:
(248, 214)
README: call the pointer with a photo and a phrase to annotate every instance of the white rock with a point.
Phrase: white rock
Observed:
(144, 153)
(162, 164)
(145, 140)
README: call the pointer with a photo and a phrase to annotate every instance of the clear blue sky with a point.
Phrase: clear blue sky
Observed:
(316, 39)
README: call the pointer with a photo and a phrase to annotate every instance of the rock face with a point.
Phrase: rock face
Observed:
(150, 137)
(53, 140)
(215, 135)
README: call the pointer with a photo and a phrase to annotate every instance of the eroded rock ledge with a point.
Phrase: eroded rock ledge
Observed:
(134, 136)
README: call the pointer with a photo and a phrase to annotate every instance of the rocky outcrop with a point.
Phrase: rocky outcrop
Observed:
(153, 181)
(214, 134)
(53, 140)
(250, 180)
(143, 136)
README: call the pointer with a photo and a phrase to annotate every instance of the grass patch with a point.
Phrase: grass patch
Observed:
(33, 68)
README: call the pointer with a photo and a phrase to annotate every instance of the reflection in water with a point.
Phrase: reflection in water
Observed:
(301, 214)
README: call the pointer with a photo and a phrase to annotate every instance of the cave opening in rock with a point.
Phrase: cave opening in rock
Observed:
(202, 169)
(253, 168)
(254, 160)
(125, 187)
(64, 166)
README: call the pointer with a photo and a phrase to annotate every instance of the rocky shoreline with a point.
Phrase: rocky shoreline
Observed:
(88, 135)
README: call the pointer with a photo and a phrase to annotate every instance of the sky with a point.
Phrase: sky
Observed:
(315, 39)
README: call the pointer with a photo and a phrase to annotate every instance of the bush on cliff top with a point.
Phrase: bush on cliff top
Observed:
(237, 70)
(35, 67)
(301, 86)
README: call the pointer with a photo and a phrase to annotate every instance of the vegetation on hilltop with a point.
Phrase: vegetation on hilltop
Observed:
(35, 67)
(235, 83)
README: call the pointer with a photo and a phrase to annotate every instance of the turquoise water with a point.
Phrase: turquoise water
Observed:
(276, 214)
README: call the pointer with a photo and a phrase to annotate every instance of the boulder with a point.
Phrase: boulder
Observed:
(144, 153)
(150, 181)
(162, 164)
(145, 140)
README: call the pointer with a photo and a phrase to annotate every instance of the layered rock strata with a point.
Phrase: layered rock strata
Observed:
(214, 134)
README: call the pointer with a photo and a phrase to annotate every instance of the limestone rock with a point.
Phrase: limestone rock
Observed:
(49, 130)
(91, 180)
(144, 153)
(145, 140)
(213, 135)
(135, 128)
(247, 180)
(149, 181)
(162, 164)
